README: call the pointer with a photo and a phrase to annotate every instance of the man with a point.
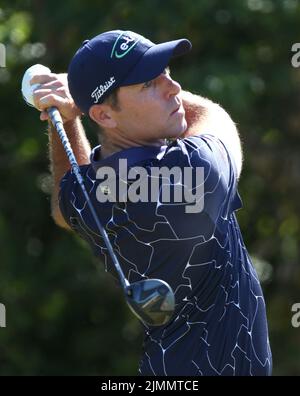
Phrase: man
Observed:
(122, 81)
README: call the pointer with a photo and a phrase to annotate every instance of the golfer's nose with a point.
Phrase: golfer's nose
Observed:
(172, 87)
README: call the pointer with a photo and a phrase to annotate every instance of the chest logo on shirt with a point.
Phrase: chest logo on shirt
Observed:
(105, 189)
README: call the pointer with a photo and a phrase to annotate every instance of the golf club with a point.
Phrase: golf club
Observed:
(151, 300)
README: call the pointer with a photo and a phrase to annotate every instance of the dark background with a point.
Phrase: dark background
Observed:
(64, 315)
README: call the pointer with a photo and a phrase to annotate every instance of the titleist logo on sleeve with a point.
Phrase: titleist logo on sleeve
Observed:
(100, 91)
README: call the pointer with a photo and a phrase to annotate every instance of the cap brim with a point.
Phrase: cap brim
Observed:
(155, 60)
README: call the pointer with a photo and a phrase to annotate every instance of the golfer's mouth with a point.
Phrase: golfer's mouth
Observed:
(176, 110)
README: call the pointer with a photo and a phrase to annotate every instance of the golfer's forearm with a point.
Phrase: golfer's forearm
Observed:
(205, 116)
(196, 109)
(59, 162)
(201, 114)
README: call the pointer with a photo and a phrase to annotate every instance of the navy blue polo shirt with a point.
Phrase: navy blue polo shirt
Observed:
(219, 326)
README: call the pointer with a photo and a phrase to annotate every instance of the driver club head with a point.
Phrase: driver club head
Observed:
(151, 300)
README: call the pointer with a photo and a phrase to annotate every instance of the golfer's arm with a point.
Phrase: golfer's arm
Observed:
(205, 116)
(60, 164)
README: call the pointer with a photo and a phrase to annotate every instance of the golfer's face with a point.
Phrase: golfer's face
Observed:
(151, 110)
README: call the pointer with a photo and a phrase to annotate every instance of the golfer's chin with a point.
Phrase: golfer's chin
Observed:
(179, 130)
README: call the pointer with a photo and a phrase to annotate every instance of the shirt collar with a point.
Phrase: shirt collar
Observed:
(133, 155)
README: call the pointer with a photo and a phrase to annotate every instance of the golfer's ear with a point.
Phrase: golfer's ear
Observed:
(102, 115)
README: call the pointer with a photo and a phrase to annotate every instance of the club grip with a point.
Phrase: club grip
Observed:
(54, 116)
(57, 122)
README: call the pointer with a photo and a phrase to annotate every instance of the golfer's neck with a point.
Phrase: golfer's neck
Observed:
(111, 145)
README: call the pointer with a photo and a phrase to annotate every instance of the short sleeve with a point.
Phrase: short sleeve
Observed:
(72, 201)
(64, 193)
(214, 188)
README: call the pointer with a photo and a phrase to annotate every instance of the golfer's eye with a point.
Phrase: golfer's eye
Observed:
(167, 71)
(148, 84)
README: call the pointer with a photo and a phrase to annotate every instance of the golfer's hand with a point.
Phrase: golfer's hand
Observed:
(54, 91)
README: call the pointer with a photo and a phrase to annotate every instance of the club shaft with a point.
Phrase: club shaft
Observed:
(58, 124)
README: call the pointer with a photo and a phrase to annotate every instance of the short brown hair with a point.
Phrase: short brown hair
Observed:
(113, 100)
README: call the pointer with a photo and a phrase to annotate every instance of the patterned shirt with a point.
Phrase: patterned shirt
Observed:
(219, 326)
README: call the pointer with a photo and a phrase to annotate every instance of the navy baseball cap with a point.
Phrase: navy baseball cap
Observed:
(114, 59)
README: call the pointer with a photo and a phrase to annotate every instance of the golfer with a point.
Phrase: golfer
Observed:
(176, 219)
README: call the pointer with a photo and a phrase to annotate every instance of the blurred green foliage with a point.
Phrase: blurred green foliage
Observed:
(64, 314)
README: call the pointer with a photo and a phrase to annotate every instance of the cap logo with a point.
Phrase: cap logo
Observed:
(100, 91)
(123, 45)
